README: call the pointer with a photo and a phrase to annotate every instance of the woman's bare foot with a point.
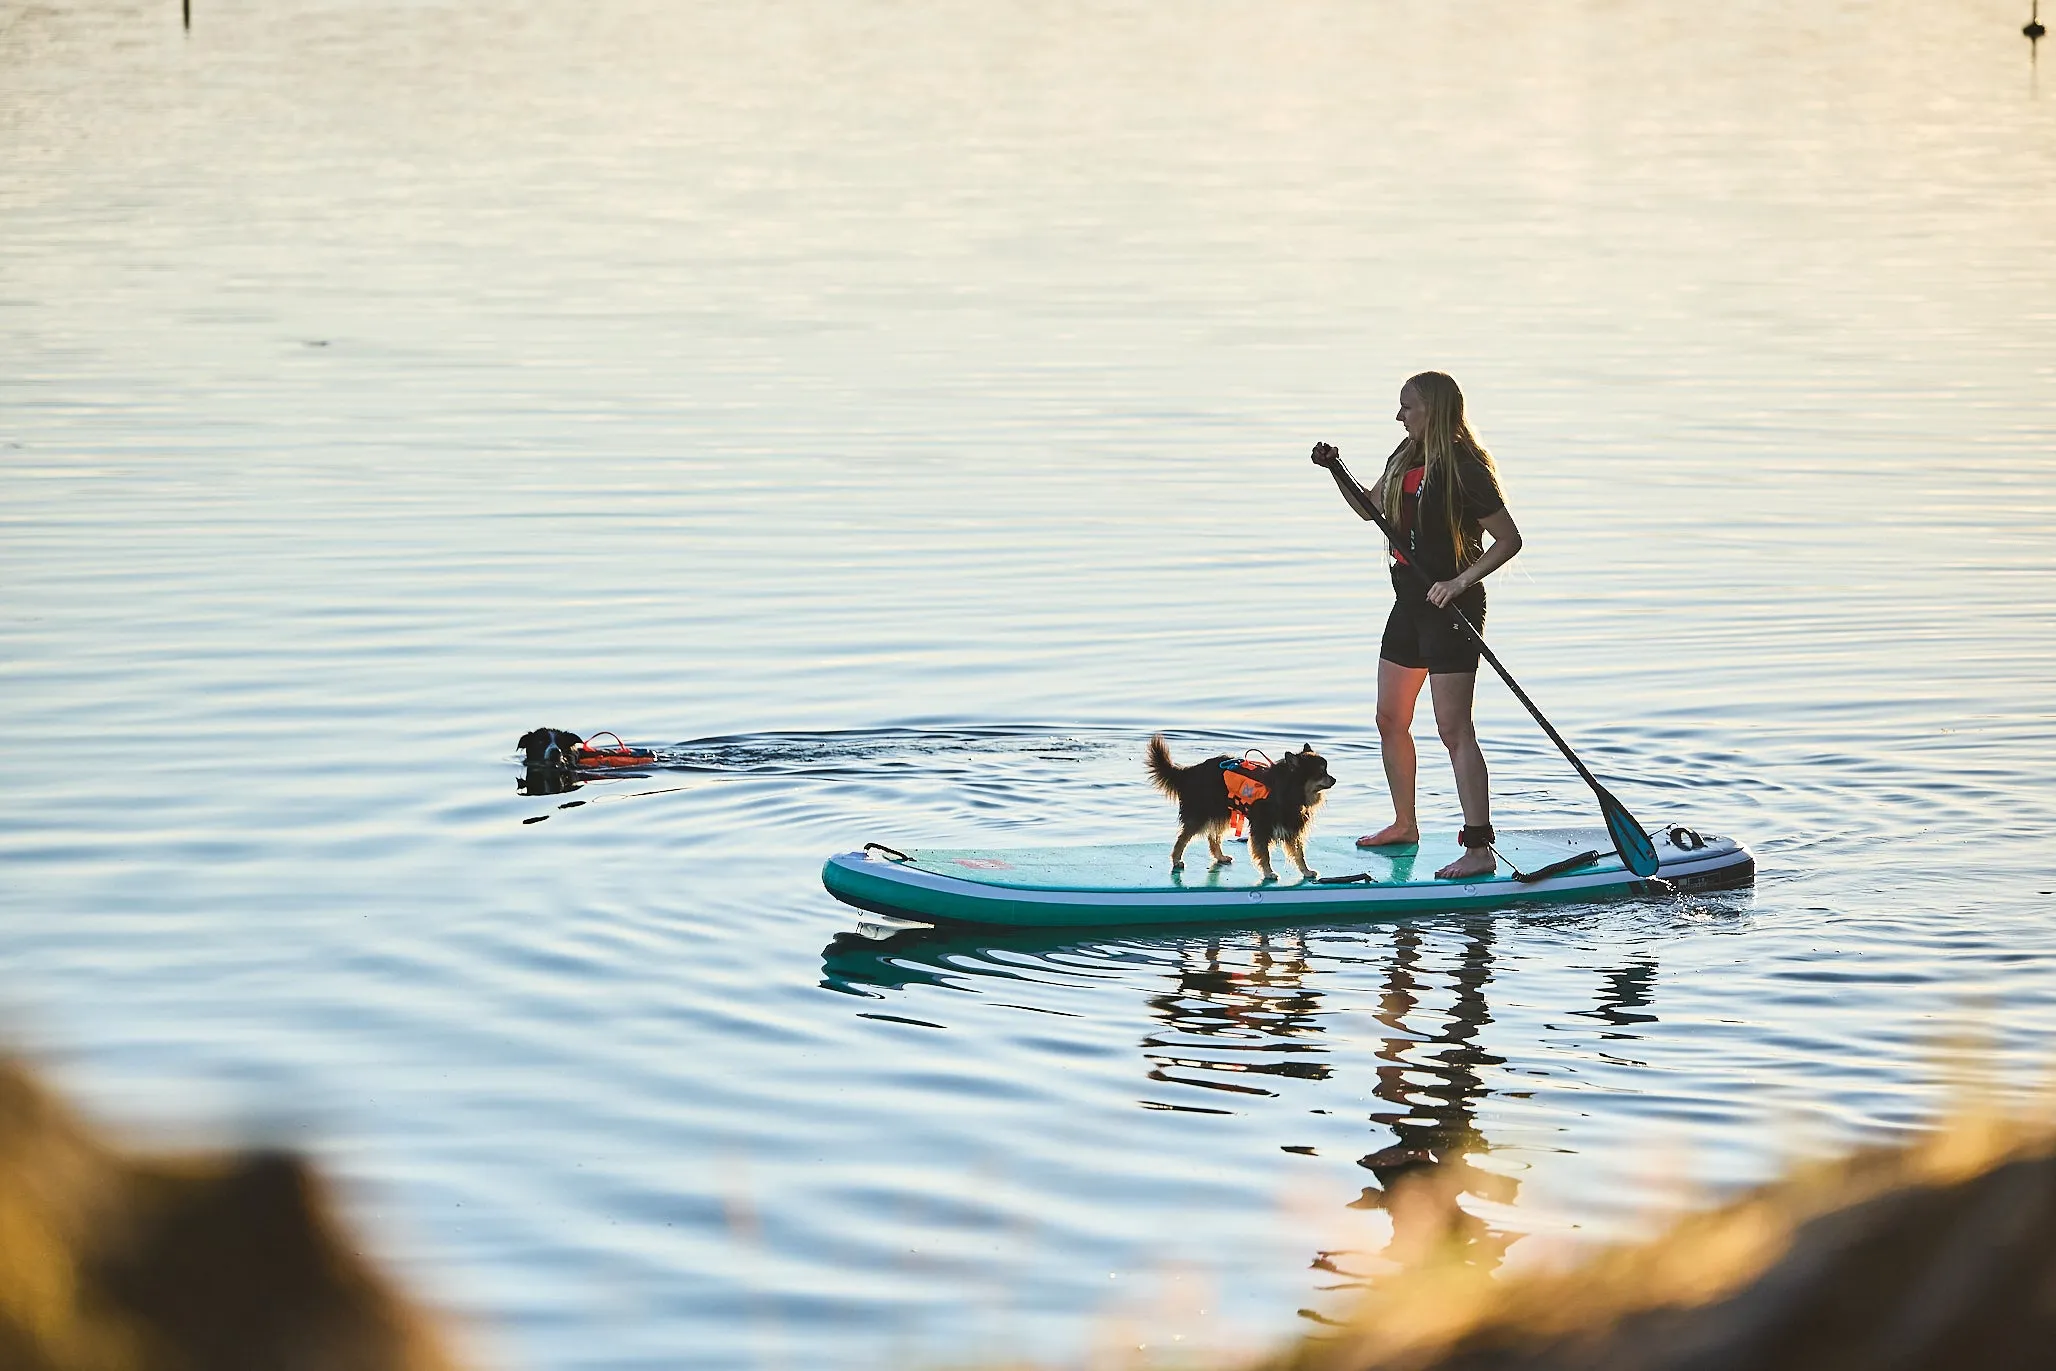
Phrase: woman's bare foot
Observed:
(1394, 834)
(1476, 861)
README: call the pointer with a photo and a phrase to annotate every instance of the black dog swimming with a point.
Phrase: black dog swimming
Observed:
(1280, 804)
(551, 757)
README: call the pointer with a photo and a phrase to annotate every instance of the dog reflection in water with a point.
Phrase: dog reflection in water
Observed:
(1278, 798)
(115, 1261)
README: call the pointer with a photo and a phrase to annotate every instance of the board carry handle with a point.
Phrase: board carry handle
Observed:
(891, 853)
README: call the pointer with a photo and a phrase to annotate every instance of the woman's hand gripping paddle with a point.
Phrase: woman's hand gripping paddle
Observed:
(1637, 853)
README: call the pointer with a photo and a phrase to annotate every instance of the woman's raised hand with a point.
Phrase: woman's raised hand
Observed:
(1326, 454)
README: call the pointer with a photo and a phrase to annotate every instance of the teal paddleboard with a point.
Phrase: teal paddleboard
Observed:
(1132, 883)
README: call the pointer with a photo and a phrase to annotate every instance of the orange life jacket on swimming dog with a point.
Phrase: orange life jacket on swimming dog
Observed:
(1246, 782)
(621, 754)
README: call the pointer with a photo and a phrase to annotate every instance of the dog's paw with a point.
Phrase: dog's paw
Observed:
(1270, 876)
(1178, 865)
(1309, 874)
(1224, 860)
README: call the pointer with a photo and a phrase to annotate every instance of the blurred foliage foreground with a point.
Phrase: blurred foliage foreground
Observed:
(230, 1261)
(1940, 1253)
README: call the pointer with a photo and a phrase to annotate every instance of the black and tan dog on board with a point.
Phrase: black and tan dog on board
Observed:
(1278, 797)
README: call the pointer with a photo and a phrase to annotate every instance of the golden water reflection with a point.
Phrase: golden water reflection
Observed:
(1244, 1016)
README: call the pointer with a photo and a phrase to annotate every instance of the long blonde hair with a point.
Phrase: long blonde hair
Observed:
(1447, 433)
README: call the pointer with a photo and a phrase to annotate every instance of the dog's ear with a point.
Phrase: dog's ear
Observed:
(528, 738)
(1306, 747)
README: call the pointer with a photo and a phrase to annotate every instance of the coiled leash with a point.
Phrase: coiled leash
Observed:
(1556, 868)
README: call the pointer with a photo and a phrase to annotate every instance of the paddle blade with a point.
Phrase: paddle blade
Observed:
(1638, 854)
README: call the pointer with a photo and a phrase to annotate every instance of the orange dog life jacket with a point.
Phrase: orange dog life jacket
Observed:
(1245, 782)
(621, 754)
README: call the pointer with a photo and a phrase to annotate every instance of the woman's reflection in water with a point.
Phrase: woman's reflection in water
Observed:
(1254, 1015)
(1425, 1173)
(1434, 1088)
(1241, 1014)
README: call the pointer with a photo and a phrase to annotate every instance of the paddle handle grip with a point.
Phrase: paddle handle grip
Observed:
(1369, 508)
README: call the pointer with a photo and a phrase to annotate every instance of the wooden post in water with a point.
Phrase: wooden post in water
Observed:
(186, 11)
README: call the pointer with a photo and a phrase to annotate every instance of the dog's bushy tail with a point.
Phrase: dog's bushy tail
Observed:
(1162, 769)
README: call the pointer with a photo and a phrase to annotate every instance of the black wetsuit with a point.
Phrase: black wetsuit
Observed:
(1416, 633)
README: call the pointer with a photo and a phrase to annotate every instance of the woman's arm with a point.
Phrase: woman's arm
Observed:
(1329, 456)
(1506, 541)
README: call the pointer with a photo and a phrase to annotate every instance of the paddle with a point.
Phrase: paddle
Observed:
(1637, 853)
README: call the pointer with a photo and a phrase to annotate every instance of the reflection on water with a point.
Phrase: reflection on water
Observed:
(1252, 1018)
(1239, 1017)
(1233, 1022)
(1425, 1172)
(1628, 991)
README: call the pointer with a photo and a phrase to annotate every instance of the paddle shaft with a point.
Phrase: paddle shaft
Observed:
(1475, 636)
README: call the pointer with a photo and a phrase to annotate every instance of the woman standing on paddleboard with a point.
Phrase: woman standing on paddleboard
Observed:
(1440, 491)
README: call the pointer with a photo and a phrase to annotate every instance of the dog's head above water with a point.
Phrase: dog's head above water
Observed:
(550, 762)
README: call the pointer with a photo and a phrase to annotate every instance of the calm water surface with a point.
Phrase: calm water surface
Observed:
(895, 412)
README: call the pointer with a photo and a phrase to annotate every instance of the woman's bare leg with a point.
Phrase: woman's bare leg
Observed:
(1452, 694)
(1399, 689)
